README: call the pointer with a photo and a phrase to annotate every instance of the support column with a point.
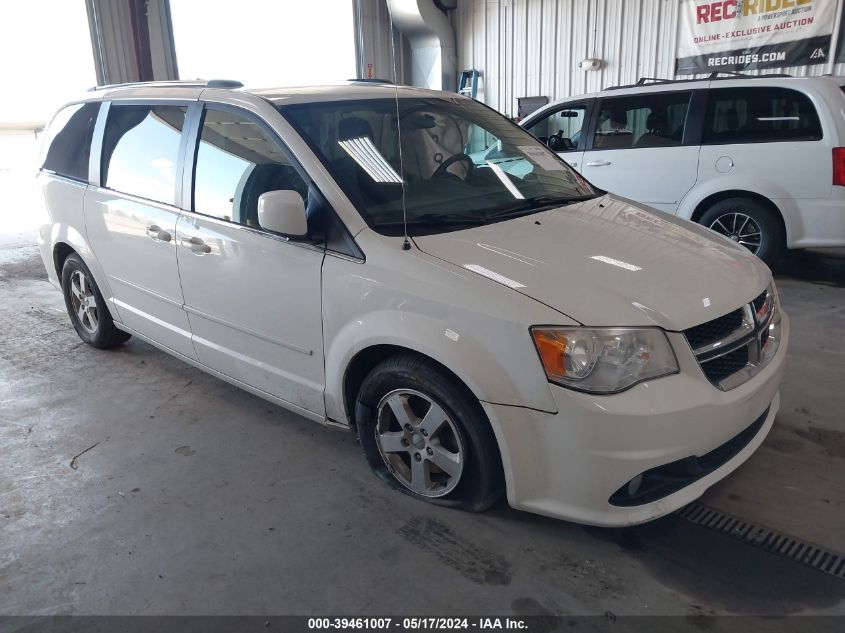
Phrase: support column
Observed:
(132, 40)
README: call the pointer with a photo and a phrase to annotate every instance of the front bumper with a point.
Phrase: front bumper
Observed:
(569, 464)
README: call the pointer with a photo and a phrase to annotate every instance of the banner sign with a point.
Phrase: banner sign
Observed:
(840, 56)
(735, 35)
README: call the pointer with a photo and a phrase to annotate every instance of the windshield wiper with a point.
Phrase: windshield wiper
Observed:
(536, 203)
(436, 219)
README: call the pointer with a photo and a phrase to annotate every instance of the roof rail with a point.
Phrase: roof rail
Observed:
(176, 83)
(642, 81)
(714, 76)
(372, 80)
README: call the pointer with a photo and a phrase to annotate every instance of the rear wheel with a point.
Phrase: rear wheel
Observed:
(427, 436)
(749, 223)
(87, 309)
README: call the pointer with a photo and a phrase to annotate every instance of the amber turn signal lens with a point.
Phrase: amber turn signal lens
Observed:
(552, 349)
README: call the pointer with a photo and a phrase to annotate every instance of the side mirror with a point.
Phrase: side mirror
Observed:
(283, 212)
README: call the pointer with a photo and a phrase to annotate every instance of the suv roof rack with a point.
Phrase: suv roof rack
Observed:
(714, 76)
(211, 83)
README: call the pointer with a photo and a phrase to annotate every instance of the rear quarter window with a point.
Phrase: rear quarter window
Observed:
(141, 150)
(67, 144)
(760, 115)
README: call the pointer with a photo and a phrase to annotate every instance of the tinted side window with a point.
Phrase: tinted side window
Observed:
(647, 120)
(566, 124)
(141, 150)
(759, 115)
(237, 161)
(67, 144)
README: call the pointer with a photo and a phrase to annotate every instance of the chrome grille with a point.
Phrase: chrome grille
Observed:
(732, 348)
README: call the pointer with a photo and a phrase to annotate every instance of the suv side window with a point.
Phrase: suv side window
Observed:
(759, 115)
(237, 160)
(645, 120)
(67, 144)
(562, 125)
(141, 150)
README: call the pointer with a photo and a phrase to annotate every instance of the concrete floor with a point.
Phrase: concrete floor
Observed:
(189, 496)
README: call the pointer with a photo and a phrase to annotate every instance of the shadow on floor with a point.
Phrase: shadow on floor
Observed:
(823, 266)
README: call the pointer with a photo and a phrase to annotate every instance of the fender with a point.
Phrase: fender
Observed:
(65, 224)
(772, 191)
(441, 314)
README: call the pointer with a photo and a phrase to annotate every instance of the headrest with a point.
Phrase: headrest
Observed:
(353, 127)
(656, 121)
(619, 117)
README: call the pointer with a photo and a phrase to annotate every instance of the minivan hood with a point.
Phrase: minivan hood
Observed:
(610, 262)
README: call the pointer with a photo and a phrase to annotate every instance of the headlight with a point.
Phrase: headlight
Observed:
(770, 337)
(603, 360)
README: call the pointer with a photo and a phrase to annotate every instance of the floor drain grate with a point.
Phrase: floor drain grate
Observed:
(814, 556)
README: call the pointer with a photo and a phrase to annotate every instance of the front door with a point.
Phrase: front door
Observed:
(253, 298)
(130, 218)
(637, 149)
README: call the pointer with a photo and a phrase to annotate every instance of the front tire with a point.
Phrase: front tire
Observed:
(750, 224)
(86, 307)
(428, 437)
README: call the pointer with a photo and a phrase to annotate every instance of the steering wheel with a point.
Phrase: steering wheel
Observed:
(441, 172)
(558, 143)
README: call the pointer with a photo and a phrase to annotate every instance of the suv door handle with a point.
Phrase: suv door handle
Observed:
(598, 163)
(156, 233)
(196, 245)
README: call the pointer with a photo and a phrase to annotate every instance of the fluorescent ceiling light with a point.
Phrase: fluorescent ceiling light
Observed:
(492, 274)
(616, 262)
(370, 159)
(501, 175)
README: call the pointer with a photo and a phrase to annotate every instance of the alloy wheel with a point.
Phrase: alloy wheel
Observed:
(419, 443)
(741, 228)
(83, 301)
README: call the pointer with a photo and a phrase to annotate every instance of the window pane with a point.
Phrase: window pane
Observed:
(141, 150)
(67, 144)
(237, 161)
(654, 120)
(566, 123)
(756, 115)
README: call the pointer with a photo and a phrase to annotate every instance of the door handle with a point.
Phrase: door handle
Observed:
(598, 163)
(156, 232)
(196, 245)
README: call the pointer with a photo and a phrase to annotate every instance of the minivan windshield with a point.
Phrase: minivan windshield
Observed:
(462, 164)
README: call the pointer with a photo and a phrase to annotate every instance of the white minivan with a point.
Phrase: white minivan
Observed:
(758, 159)
(485, 325)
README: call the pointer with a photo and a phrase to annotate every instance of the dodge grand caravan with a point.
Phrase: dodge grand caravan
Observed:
(758, 159)
(484, 325)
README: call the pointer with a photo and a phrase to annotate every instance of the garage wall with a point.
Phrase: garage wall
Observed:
(372, 28)
(532, 47)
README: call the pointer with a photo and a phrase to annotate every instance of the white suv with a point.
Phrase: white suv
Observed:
(601, 362)
(758, 159)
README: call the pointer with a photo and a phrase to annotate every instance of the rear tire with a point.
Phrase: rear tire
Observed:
(412, 418)
(750, 223)
(86, 307)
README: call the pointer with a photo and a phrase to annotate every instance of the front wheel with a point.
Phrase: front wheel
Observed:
(749, 223)
(87, 309)
(427, 436)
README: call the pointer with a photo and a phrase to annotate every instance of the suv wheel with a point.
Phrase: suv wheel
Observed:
(748, 223)
(428, 437)
(87, 309)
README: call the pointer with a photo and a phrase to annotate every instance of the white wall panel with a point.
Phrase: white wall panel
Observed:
(529, 48)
